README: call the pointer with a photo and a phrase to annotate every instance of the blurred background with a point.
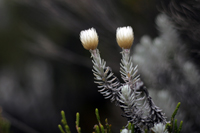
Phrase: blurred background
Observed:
(44, 68)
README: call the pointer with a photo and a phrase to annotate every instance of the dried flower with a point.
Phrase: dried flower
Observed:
(159, 128)
(89, 39)
(125, 37)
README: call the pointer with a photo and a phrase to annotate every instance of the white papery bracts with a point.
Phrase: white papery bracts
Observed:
(125, 37)
(159, 128)
(89, 39)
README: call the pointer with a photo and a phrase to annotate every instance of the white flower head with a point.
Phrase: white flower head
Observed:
(125, 131)
(159, 128)
(125, 37)
(89, 39)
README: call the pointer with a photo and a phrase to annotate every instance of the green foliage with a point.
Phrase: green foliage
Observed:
(77, 123)
(173, 124)
(131, 127)
(99, 128)
(97, 115)
(180, 127)
(64, 122)
(107, 128)
(4, 124)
